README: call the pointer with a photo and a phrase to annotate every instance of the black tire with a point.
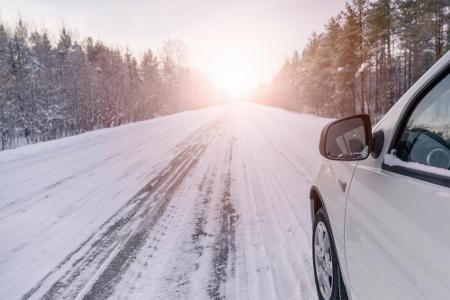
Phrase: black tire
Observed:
(338, 288)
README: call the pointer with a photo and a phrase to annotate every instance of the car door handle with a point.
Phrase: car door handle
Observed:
(342, 185)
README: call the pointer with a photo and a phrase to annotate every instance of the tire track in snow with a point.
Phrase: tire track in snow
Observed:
(188, 263)
(112, 248)
(224, 248)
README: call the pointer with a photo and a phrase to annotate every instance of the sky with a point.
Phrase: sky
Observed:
(237, 44)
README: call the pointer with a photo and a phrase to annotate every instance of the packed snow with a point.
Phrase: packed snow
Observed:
(207, 204)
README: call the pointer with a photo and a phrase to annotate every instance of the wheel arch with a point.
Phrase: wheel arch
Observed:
(316, 203)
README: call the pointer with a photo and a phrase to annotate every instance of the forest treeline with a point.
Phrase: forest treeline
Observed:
(50, 89)
(366, 58)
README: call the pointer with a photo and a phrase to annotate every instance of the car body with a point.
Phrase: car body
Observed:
(387, 213)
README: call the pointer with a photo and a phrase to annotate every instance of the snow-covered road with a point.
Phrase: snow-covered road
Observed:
(207, 204)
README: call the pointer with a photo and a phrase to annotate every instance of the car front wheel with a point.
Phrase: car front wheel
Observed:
(326, 267)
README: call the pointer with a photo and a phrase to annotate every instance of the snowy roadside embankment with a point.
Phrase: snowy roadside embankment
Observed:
(200, 204)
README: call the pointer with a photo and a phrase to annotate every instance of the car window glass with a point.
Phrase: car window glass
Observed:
(426, 137)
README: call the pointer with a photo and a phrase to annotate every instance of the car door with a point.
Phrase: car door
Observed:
(397, 227)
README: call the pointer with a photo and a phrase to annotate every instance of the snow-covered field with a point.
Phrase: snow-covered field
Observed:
(205, 204)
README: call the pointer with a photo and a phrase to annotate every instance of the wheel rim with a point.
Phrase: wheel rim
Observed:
(323, 260)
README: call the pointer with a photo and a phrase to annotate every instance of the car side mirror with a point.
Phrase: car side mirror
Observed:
(347, 139)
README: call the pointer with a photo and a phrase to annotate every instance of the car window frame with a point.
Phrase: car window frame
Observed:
(401, 125)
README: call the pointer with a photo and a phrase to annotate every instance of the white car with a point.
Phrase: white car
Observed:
(380, 204)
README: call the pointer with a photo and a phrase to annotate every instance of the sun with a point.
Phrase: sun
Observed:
(236, 80)
(234, 73)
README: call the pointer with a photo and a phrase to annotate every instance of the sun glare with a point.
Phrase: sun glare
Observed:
(235, 74)
(235, 80)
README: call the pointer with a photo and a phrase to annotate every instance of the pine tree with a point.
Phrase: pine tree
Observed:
(20, 65)
(151, 89)
(6, 80)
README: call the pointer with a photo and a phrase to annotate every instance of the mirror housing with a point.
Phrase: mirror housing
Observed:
(347, 139)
